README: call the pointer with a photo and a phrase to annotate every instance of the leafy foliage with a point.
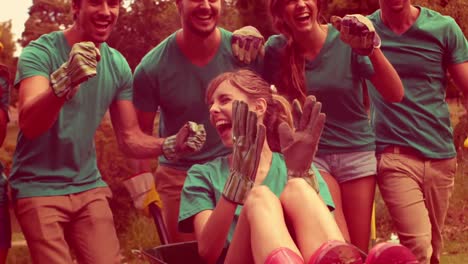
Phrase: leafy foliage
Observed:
(46, 16)
(6, 38)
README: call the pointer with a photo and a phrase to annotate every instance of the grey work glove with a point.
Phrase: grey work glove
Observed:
(358, 32)
(299, 146)
(247, 44)
(81, 65)
(248, 139)
(188, 140)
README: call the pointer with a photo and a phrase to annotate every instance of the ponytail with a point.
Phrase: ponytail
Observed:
(278, 111)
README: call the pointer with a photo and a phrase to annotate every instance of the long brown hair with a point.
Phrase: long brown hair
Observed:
(291, 81)
(255, 87)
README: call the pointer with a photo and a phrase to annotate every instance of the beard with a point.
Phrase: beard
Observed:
(201, 32)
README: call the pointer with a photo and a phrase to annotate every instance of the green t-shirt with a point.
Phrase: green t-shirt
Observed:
(205, 183)
(167, 79)
(63, 159)
(335, 77)
(420, 56)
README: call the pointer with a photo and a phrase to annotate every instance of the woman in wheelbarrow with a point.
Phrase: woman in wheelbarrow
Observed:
(265, 202)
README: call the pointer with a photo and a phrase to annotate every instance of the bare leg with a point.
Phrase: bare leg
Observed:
(358, 196)
(310, 218)
(263, 213)
(335, 192)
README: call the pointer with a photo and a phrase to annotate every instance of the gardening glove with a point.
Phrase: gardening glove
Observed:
(299, 146)
(142, 190)
(248, 138)
(189, 139)
(247, 44)
(358, 32)
(81, 66)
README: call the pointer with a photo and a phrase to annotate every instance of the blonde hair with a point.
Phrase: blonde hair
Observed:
(255, 87)
(291, 81)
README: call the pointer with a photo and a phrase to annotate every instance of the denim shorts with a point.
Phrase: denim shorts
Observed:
(348, 166)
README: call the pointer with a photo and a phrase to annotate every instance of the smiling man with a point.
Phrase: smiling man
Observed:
(67, 80)
(173, 77)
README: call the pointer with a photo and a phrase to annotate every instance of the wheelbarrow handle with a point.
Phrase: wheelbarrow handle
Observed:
(155, 212)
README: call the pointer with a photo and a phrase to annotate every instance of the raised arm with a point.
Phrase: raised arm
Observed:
(359, 33)
(41, 99)
(38, 106)
(212, 227)
(385, 78)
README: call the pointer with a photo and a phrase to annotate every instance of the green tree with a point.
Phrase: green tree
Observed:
(46, 16)
(144, 25)
(6, 38)
(6, 56)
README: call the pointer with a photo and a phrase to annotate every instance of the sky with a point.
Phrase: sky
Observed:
(17, 11)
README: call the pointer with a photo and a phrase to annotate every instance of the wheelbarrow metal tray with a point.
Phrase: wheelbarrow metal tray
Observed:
(178, 253)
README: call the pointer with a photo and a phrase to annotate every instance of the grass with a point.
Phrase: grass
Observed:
(137, 231)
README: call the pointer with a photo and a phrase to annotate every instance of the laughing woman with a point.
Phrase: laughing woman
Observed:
(332, 65)
(273, 188)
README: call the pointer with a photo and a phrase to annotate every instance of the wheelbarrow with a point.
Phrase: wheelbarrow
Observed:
(175, 253)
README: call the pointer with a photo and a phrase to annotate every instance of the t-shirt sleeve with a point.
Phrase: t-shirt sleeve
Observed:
(197, 195)
(33, 61)
(126, 82)
(362, 66)
(456, 44)
(145, 90)
(323, 189)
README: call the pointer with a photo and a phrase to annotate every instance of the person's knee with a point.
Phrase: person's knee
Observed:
(295, 189)
(259, 196)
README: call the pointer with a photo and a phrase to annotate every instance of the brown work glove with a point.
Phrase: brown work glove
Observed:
(358, 32)
(248, 139)
(299, 146)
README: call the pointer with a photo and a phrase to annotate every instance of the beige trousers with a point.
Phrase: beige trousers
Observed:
(82, 221)
(416, 191)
